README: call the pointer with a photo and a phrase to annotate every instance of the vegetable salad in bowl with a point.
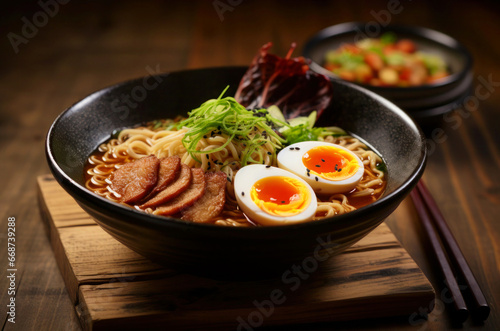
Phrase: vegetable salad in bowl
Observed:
(385, 61)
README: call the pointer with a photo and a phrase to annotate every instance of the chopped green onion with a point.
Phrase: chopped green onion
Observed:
(157, 125)
(225, 116)
(381, 167)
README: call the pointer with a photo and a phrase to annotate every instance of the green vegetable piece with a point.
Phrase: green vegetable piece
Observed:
(276, 113)
(115, 134)
(312, 119)
(334, 131)
(308, 121)
(395, 59)
(346, 60)
(388, 38)
(434, 63)
(157, 124)
(381, 167)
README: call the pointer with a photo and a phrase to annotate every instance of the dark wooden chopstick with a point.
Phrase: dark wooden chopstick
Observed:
(478, 305)
(460, 308)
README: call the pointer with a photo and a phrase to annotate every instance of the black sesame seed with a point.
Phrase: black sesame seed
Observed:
(242, 194)
(316, 178)
(205, 136)
(318, 166)
(268, 166)
(336, 167)
(282, 201)
(269, 153)
(308, 174)
(297, 148)
(322, 160)
(340, 170)
(208, 157)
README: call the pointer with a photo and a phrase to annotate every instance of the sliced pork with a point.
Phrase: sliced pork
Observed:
(194, 192)
(180, 184)
(167, 173)
(134, 180)
(171, 188)
(212, 202)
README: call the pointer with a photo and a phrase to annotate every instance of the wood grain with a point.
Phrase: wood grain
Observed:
(113, 286)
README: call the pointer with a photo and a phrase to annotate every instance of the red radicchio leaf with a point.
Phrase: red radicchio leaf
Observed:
(285, 82)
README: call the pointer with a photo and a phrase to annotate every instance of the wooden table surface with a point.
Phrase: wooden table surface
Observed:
(54, 53)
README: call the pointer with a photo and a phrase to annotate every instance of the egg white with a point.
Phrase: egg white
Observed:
(244, 180)
(290, 158)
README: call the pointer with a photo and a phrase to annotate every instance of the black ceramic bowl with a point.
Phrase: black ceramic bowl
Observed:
(212, 250)
(423, 103)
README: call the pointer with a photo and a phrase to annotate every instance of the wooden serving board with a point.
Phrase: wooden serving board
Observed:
(113, 287)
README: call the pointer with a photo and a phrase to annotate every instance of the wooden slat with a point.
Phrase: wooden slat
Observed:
(112, 286)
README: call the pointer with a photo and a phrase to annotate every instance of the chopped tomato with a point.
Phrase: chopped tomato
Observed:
(350, 48)
(405, 74)
(406, 46)
(374, 61)
(388, 49)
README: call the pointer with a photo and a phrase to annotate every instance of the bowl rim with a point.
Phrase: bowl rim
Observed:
(81, 193)
(419, 31)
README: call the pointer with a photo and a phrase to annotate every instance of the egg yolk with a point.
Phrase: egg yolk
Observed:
(280, 195)
(330, 163)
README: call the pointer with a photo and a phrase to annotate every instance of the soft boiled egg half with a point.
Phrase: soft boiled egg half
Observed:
(273, 196)
(328, 168)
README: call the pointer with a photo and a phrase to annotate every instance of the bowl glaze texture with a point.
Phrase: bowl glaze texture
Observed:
(228, 252)
(424, 103)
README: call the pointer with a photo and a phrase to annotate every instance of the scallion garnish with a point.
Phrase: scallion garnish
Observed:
(249, 129)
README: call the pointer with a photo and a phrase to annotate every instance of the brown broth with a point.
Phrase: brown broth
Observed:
(231, 210)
